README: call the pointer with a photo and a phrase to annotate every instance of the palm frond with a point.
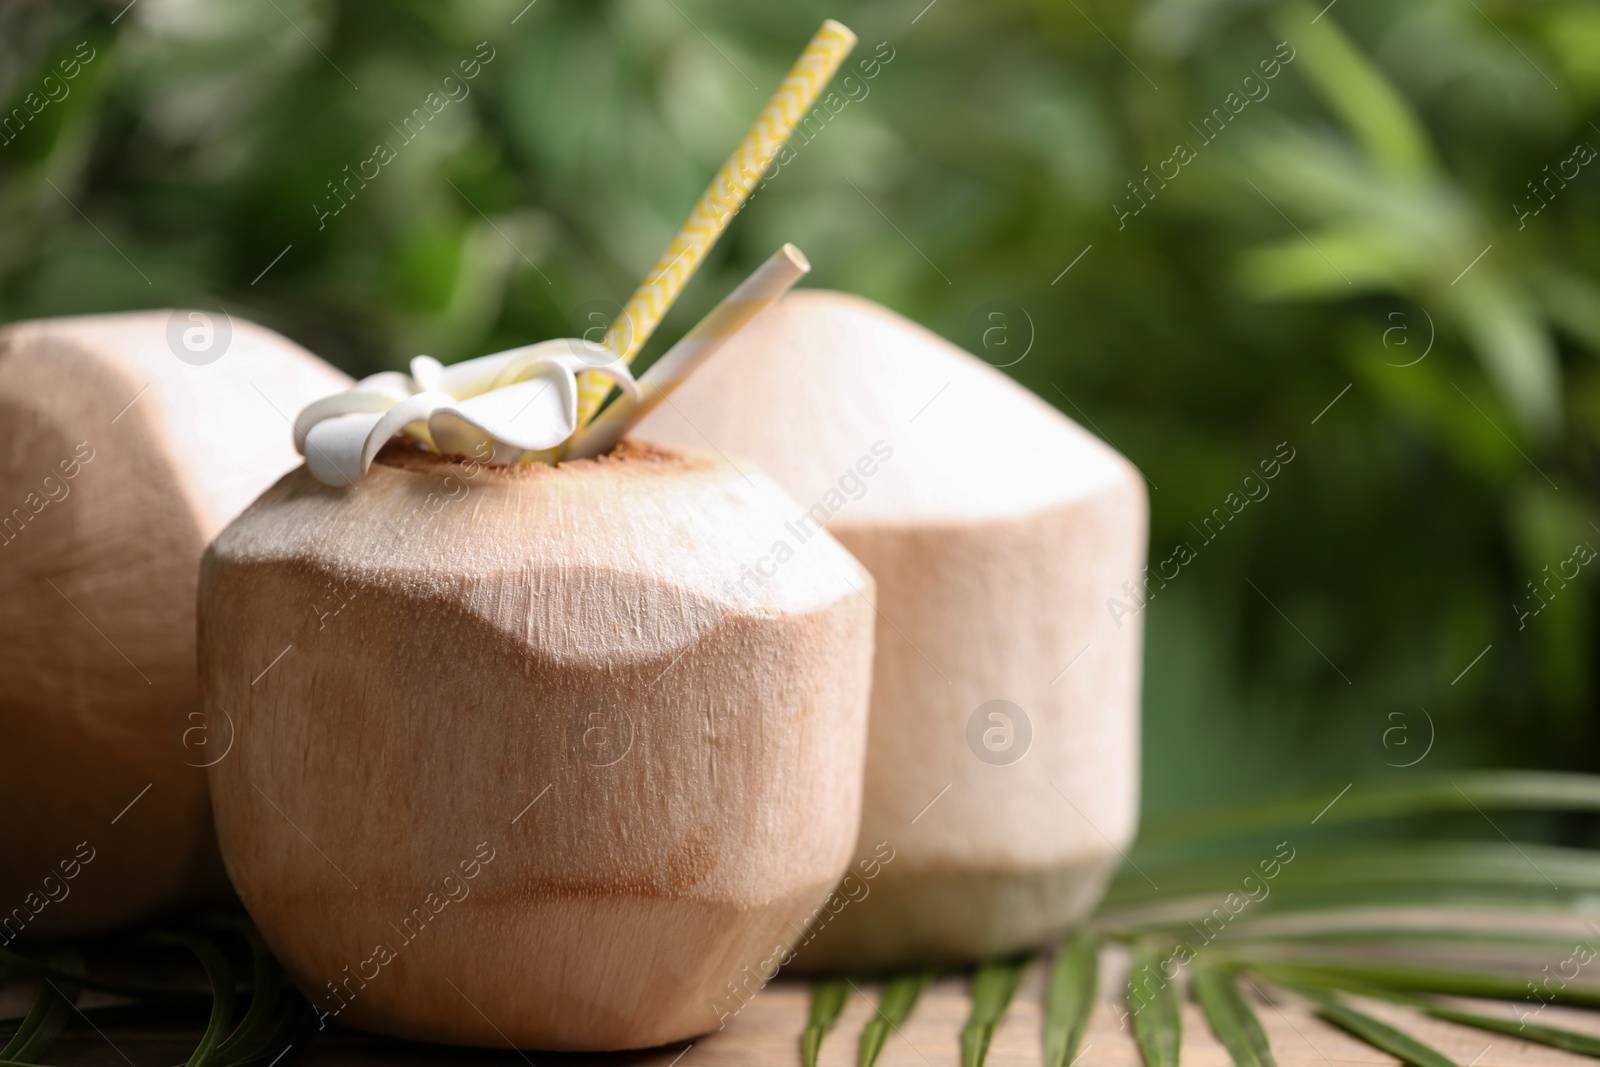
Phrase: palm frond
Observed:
(900, 995)
(993, 986)
(1539, 1034)
(220, 1044)
(1423, 795)
(1553, 1036)
(1375, 1032)
(220, 975)
(51, 1009)
(827, 1002)
(1155, 1008)
(1069, 1002)
(1422, 978)
(1231, 1017)
(1384, 873)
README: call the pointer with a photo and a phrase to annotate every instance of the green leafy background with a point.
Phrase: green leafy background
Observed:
(1317, 243)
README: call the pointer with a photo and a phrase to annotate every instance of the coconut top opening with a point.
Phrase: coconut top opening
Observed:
(646, 457)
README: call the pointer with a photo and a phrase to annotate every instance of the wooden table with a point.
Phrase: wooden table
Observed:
(767, 1033)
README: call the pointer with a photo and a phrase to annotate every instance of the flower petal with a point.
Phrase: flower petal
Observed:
(473, 376)
(573, 354)
(531, 415)
(427, 372)
(389, 382)
(355, 399)
(335, 446)
(411, 409)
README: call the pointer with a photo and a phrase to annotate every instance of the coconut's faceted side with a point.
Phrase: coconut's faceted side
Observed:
(537, 755)
(998, 531)
(118, 462)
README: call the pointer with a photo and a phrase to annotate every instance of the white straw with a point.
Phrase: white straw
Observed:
(763, 288)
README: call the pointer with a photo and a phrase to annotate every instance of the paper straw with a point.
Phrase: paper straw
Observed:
(718, 204)
(756, 293)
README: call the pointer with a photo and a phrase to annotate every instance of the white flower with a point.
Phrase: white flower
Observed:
(524, 400)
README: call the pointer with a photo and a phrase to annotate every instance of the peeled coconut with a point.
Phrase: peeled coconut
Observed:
(126, 443)
(540, 764)
(1003, 757)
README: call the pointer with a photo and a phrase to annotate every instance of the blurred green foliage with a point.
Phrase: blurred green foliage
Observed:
(1318, 241)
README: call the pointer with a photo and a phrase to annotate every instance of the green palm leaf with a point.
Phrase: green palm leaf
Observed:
(1380, 1035)
(1423, 795)
(1231, 1017)
(827, 1001)
(1365, 873)
(51, 1009)
(1490, 985)
(993, 986)
(296, 1026)
(1070, 1000)
(1555, 1037)
(899, 997)
(1153, 1002)
(220, 975)
(265, 987)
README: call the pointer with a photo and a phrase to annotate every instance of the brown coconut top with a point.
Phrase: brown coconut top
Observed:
(818, 380)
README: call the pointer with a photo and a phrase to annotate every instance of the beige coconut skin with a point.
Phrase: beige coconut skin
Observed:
(997, 531)
(461, 699)
(118, 463)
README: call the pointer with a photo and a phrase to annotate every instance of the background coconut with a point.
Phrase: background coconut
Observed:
(1003, 755)
(126, 443)
(560, 756)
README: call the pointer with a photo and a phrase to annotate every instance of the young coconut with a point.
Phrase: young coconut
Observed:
(126, 443)
(1002, 760)
(535, 769)
(544, 698)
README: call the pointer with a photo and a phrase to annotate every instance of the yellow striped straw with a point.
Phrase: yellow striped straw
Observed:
(720, 202)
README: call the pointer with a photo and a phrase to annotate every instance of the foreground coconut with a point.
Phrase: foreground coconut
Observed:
(126, 443)
(524, 754)
(1003, 756)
